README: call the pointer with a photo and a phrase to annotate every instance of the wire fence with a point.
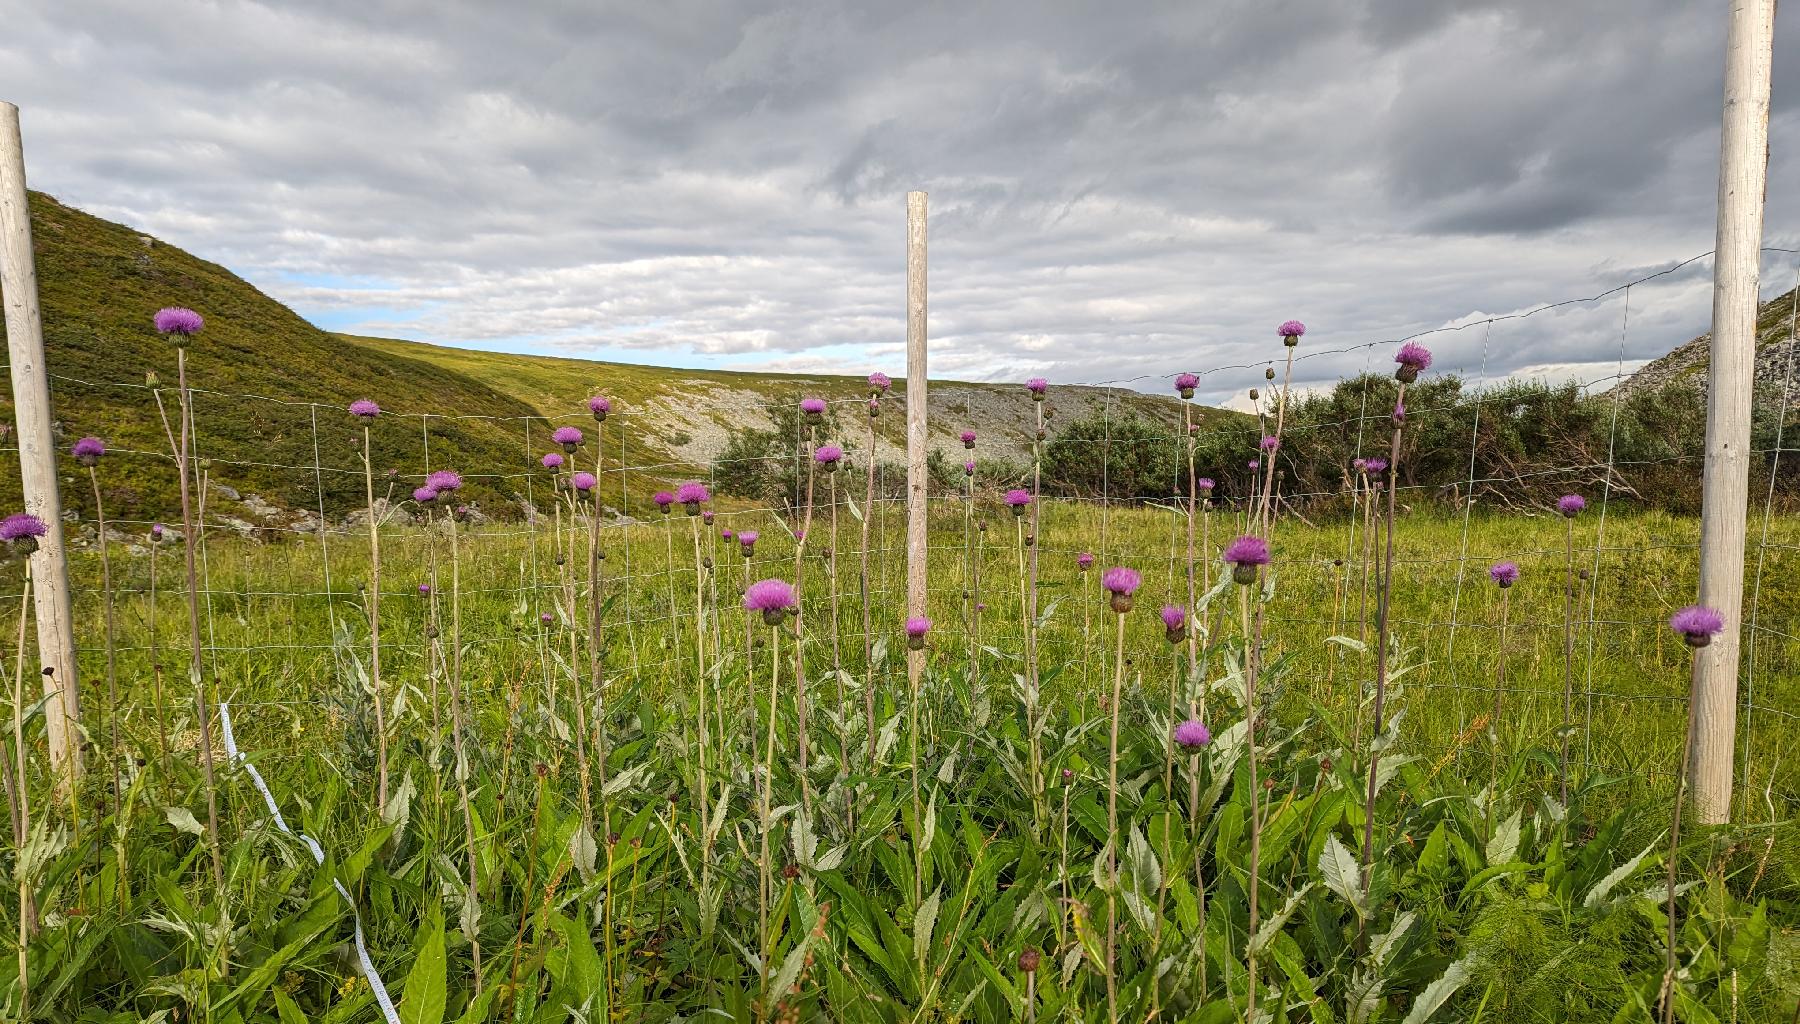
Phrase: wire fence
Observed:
(283, 588)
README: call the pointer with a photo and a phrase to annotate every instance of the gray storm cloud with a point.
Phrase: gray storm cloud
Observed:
(1118, 193)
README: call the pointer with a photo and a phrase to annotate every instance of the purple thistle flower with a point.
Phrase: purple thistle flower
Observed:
(726, 535)
(21, 531)
(1291, 329)
(1084, 561)
(1248, 550)
(691, 494)
(424, 590)
(969, 468)
(1192, 734)
(424, 495)
(88, 450)
(1697, 624)
(747, 538)
(879, 382)
(569, 437)
(1246, 554)
(546, 618)
(1375, 467)
(1255, 464)
(1359, 465)
(1205, 486)
(707, 517)
(1017, 499)
(1174, 619)
(1038, 387)
(813, 409)
(774, 598)
(156, 531)
(365, 409)
(599, 405)
(828, 455)
(1185, 383)
(663, 500)
(916, 628)
(1120, 580)
(21, 525)
(1413, 358)
(444, 481)
(1269, 443)
(1121, 583)
(552, 461)
(1570, 505)
(178, 321)
(1504, 573)
(583, 482)
(968, 439)
(799, 535)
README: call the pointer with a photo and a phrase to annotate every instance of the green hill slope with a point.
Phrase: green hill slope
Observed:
(100, 283)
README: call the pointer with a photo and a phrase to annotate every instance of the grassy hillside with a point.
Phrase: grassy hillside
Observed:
(101, 282)
(679, 419)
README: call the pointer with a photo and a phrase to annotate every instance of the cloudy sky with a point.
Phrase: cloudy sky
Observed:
(1118, 192)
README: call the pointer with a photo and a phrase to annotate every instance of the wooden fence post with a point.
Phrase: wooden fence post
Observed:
(917, 437)
(37, 451)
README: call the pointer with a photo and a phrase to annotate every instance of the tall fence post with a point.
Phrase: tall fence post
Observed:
(916, 436)
(1743, 176)
(37, 449)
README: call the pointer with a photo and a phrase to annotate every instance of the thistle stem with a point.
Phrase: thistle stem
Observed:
(768, 872)
(1383, 597)
(112, 691)
(1112, 824)
(22, 816)
(1252, 638)
(196, 669)
(381, 750)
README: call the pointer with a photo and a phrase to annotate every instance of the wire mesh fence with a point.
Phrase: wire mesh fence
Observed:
(284, 588)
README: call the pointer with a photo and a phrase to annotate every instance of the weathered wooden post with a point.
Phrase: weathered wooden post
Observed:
(37, 449)
(1743, 177)
(916, 436)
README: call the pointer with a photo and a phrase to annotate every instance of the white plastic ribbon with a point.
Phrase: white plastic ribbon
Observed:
(362, 949)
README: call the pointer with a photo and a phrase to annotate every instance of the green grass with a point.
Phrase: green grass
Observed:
(879, 922)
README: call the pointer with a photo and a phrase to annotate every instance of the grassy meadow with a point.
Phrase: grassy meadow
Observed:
(652, 848)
